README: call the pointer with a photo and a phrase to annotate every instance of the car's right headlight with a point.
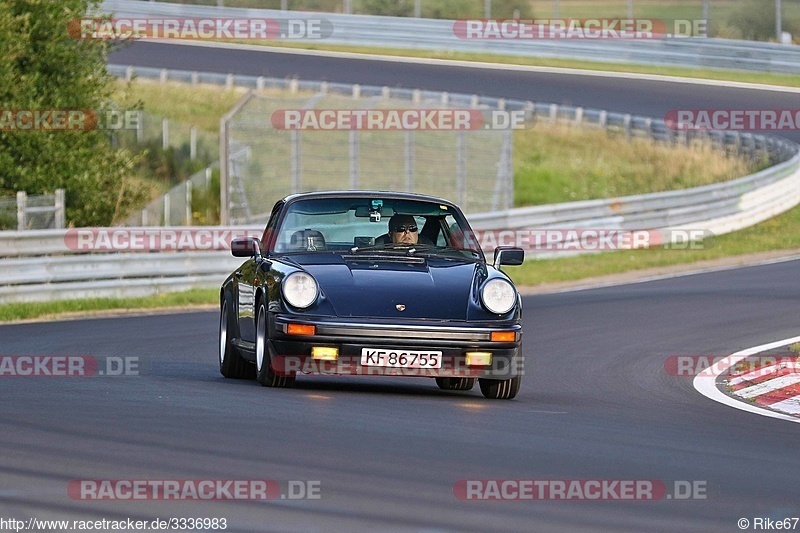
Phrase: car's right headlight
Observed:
(498, 296)
(300, 289)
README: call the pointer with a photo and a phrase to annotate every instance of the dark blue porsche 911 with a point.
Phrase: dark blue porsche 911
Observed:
(371, 283)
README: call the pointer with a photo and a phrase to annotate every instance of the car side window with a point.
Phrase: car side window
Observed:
(268, 237)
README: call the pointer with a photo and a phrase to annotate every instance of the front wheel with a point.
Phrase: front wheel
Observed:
(264, 373)
(500, 389)
(231, 364)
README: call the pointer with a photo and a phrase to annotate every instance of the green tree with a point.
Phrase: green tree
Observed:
(44, 68)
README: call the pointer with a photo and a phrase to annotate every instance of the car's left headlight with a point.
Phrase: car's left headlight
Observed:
(498, 296)
(300, 289)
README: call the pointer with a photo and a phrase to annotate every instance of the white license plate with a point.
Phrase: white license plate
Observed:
(400, 358)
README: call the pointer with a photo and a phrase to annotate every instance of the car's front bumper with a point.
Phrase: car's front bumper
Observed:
(291, 353)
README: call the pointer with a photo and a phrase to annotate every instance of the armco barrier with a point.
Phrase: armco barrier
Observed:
(31, 267)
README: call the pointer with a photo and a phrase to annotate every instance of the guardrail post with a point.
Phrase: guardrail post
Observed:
(167, 213)
(578, 116)
(353, 159)
(193, 143)
(164, 76)
(626, 122)
(60, 209)
(409, 159)
(603, 119)
(208, 188)
(140, 128)
(22, 202)
(128, 73)
(296, 161)
(416, 96)
(260, 83)
(229, 82)
(386, 93)
(356, 91)
(188, 214)
(648, 126)
(461, 170)
(553, 113)
(445, 98)
(417, 9)
(530, 111)
(293, 86)
(323, 87)
(474, 101)
(164, 133)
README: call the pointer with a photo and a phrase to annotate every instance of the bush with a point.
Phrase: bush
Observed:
(754, 20)
(43, 68)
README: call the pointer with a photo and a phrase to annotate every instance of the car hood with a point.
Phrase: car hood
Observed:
(368, 286)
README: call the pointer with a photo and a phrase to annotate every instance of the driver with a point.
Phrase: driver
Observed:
(403, 229)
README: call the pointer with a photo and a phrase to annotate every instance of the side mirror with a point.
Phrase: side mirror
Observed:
(508, 255)
(245, 247)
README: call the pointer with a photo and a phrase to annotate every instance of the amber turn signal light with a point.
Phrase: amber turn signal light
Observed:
(300, 329)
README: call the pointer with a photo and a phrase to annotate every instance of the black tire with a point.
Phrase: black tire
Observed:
(264, 373)
(231, 364)
(500, 389)
(455, 383)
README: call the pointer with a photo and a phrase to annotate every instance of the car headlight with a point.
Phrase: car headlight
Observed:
(498, 296)
(300, 289)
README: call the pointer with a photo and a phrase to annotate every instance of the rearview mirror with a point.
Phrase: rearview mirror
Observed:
(245, 247)
(508, 255)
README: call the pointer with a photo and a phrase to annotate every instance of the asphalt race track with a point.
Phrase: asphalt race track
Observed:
(596, 403)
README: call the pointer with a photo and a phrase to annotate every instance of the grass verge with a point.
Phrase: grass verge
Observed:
(62, 308)
(778, 233)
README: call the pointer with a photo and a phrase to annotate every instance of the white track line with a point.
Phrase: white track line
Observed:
(705, 382)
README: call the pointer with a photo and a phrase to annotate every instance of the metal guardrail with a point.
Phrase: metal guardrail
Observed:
(438, 35)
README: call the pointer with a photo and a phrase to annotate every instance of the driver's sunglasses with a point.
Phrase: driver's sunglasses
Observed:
(403, 229)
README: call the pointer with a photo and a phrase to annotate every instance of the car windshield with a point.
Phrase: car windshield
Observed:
(362, 225)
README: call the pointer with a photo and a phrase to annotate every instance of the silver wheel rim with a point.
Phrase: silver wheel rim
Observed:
(261, 327)
(223, 332)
